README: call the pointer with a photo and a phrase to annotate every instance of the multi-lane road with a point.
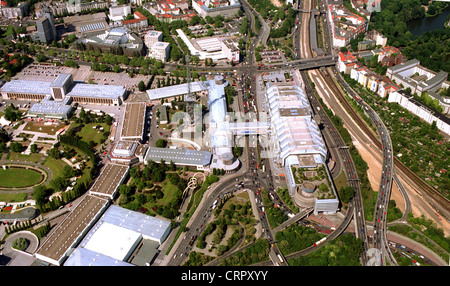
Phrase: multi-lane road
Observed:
(326, 81)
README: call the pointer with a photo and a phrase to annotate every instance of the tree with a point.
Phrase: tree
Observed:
(59, 183)
(141, 86)
(346, 194)
(108, 119)
(161, 143)
(125, 190)
(16, 147)
(33, 148)
(40, 194)
(41, 58)
(54, 153)
(68, 171)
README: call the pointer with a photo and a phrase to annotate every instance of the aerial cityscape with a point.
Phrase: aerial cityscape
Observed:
(224, 133)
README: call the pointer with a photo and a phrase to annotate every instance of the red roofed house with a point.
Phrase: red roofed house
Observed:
(346, 62)
(139, 21)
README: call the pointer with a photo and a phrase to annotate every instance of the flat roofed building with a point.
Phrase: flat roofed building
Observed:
(127, 152)
(49, 108)
(61, 85)
(61, 88)
(133, 123)
(85, 257)
(160, 51)
(121, 238)
(68, 233)
(152, 37)
(109, 180)
(87, 23)
(114, 241)
(176, 90)
(98, 94)
(153, 228)
(26, 90)
(118, 13)
(125, 148)
(183, 157)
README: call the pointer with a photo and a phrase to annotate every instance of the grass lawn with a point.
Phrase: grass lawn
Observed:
(19, 177)
(88, 133)
(13, 197)
(55, 165)
(40, 127)
(34, 157)
(340, 181)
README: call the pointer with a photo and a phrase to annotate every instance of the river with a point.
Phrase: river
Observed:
(417, 27)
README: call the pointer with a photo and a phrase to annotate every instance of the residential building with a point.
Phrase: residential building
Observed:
(345, 25)
(170, 10)
(139, 21)
(411, 74)
(346, 62)
(416, 107)
(378, 37)
(56, 8)
(212, 8)
(118, 13)
(15, 12)
(78, 6)
(366, 45)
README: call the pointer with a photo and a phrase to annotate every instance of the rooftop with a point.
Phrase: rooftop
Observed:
(133, 121)
(179, 156)
(67, 233)
(27, 86)
(176, 90)
(97, 90)
(108, 180)
(48, 106)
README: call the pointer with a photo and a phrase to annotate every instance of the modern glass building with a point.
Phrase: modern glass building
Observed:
(298, 146)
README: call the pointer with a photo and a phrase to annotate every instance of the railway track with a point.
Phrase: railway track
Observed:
(437, 197)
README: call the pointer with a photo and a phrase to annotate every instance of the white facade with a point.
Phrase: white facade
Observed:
(407, 101)
(152, 37)
(118, 13)
(160, 51)
(211, 54)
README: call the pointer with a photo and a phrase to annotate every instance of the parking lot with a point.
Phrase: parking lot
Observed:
(47, 72)
(122, 79)
(42, 72)
(270, 57)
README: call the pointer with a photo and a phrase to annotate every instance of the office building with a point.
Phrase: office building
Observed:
(46, 29)
(152, 37)
(160, 51)
(63, 87)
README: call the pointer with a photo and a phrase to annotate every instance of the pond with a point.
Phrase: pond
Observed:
(419, 26)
